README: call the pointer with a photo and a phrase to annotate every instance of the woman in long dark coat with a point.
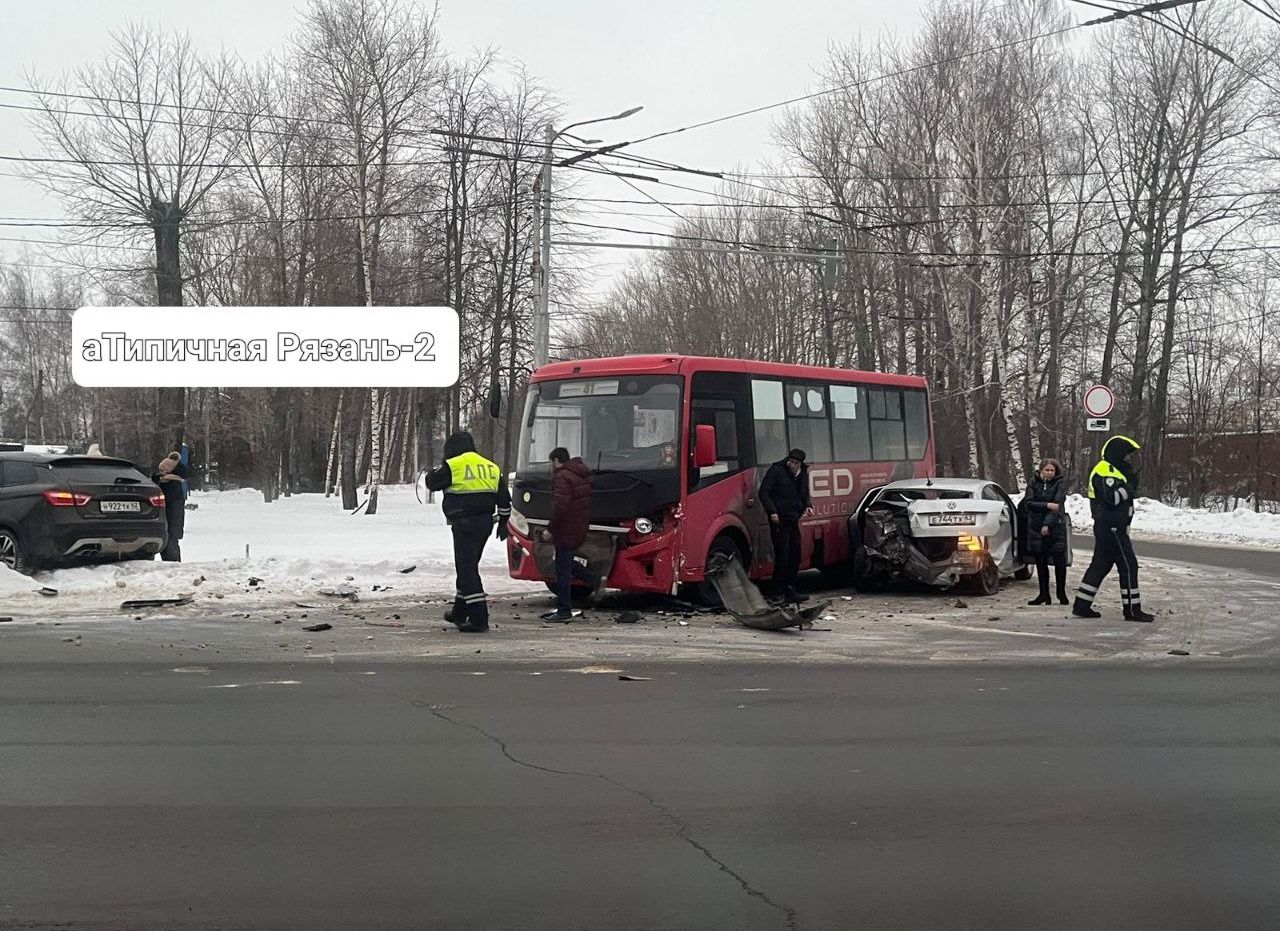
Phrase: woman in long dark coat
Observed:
(1045, 502)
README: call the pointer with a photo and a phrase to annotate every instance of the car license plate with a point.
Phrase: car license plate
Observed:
(951, 520)
(120, 507)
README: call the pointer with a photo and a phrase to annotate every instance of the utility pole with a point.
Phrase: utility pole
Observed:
(542, 224)
(542, 266)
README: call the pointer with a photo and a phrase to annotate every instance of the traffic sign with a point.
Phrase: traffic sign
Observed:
(1098, 424)
(1098, 401)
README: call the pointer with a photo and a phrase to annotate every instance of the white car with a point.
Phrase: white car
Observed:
(939, 531)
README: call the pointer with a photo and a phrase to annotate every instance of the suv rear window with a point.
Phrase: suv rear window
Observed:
(18, 472)
(98, 473)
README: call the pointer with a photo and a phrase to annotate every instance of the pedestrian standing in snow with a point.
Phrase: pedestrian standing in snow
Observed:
(785, 496)
(170, 475)
(1045, 502)
(1112, 485)
(567, 529)
(474, 495)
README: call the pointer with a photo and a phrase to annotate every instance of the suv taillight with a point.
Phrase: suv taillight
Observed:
(157, 501)
(67, 499)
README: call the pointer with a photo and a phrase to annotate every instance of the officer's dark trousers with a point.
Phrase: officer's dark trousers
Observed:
(469, 537)
(1111, 547)
(786, 554)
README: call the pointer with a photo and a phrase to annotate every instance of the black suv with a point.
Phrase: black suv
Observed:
(64, 510)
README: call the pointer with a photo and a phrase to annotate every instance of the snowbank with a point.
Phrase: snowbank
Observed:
(1153, 517)
(297, 546)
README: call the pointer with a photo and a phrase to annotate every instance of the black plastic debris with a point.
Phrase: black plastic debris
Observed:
(47, 591)
(626, 678)
(407, 569)
(316, 628)
(629, 617)
(155, 602)
(1179, 653)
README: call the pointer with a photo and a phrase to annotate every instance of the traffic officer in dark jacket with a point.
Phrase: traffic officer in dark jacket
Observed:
(1111, 491)
(785, 496)
(473, 493)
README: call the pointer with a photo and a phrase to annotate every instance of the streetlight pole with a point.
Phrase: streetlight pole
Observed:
(542, 223)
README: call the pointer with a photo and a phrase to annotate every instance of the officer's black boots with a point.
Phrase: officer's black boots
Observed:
(474, 627)
(1137, 614)
(1083, 608)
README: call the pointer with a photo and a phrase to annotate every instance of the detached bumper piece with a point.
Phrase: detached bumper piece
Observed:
(743, 599)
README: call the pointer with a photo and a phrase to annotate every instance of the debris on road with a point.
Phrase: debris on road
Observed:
(625, 678)
(629, 617)
(1179, 653)
(342, 591)
(407, 569)
(47, 591)
(156, 602)
(316, 628)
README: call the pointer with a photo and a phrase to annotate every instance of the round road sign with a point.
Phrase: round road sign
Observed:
(1098, 401)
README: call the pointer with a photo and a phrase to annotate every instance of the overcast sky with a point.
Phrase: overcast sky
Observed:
(683, 60)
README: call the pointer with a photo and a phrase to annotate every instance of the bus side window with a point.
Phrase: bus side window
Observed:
(808, 426)
(769, 411)
(849, 423)
(888, 439)
(917, 418)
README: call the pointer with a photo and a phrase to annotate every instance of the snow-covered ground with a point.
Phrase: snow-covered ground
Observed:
(1156, 519)
(297, 546)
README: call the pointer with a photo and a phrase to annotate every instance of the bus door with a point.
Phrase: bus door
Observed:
(722, 497)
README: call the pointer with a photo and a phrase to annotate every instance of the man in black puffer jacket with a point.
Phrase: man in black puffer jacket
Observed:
(785, 496)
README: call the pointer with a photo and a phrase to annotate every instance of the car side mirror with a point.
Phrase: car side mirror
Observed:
(704, 446)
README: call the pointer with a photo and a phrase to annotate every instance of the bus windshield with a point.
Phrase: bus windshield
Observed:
(621, 423)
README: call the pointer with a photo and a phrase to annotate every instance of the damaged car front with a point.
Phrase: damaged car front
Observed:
(935, 535)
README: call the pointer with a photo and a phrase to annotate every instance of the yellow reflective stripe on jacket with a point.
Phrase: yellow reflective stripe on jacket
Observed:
(472, 474)
(1105, 470)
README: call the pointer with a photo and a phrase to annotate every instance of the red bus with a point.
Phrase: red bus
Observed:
(677, 446)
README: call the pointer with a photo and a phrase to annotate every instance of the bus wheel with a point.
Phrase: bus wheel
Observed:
(704, 592)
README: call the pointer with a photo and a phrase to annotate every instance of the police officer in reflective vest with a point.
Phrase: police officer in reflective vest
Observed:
(473, 493)
(1111, 490)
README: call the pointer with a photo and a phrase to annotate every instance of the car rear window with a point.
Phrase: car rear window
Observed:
(17, 472)
(98, 473)
(905, 495)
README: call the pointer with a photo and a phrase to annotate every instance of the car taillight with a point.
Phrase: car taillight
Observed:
(67, 499)
(967, 541)
(157, 501)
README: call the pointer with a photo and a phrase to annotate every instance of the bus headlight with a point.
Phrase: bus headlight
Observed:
(643, 525)
(520, 522)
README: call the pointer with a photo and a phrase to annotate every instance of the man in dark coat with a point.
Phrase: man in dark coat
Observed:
(1111, 492)
(1045, 505)
(170, 476)
(474, 493)
(567, 529)
(784, 492)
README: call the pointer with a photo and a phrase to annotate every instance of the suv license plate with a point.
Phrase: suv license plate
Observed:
(120, 507)
(951, 520)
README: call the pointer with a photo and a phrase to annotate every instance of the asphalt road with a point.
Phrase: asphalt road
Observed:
(466, 795)
(1258, 560)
